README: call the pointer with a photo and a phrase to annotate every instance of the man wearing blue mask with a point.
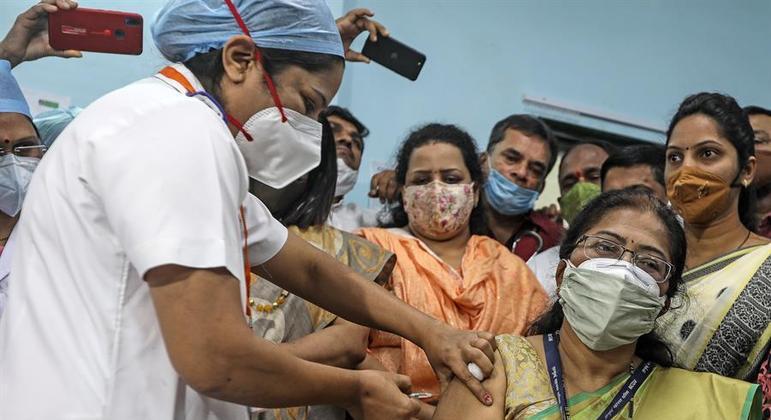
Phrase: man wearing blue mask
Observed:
(520, 154)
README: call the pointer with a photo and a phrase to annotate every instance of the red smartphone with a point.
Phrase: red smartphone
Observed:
(105, 31)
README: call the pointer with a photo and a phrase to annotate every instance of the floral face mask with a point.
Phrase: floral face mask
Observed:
(436, 208)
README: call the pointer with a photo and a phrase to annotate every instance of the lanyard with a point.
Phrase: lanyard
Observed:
(624, 395)
(173, 74)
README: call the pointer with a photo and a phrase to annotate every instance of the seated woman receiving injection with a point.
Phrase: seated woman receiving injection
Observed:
(443, 268)
(593, 355)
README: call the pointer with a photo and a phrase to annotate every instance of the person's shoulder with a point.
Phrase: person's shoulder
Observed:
(549, 229)
(495, 250)
(490, 243)
(388, 238)
(511, 341)
(684, 375)
(546, 256)
(699, 395)
(148, 102)
(527, 385)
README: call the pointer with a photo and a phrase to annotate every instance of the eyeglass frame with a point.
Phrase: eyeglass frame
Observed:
(43, 149)
(669, 265)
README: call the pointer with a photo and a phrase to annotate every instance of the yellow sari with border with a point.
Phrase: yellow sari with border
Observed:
(668, 393)
(723, 325)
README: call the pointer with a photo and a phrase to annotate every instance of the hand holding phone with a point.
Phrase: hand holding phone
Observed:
(395, 56)
(27, 40)
(95, 30)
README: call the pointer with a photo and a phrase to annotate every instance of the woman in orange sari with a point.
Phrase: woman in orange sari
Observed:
(443, 268)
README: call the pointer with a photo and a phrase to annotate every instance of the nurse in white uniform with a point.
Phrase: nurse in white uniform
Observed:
(136, 232)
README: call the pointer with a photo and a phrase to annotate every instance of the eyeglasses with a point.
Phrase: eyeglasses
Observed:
(36, 151)
(599, 247)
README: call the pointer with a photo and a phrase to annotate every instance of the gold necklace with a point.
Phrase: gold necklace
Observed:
(269, 307)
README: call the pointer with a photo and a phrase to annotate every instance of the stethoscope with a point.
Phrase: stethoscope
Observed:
(532, 233)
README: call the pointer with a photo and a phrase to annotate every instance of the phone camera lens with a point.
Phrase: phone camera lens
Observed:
(120, 34)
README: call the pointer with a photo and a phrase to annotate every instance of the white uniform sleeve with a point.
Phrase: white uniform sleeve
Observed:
(5, 270)
(172, 182)
(266, 235)
(3, 293)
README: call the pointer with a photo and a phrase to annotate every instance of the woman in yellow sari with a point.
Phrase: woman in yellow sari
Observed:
(724, 323)
(594, 355)
(443, 268)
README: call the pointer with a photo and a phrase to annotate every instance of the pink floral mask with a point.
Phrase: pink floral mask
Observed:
(438, 208)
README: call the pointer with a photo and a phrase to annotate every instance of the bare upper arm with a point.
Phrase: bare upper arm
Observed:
(459, 403)
(200, 315)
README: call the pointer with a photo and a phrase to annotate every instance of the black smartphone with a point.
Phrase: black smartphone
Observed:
(396, 56)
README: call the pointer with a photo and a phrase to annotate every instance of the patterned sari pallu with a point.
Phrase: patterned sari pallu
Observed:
(723, 325)
(280, 316)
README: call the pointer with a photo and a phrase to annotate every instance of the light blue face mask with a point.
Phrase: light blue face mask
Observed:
(506, 197)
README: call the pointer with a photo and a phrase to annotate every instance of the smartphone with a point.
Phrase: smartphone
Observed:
(105, 31)
(395, 56)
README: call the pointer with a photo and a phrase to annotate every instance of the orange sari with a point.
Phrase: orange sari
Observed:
(492, 291)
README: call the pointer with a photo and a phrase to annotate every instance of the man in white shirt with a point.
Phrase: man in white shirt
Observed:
(580, 181)
(128, 288)
(349, 135)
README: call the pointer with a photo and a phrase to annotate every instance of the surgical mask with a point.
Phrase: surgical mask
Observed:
(699, 196)
(438, 208)
(346, 178)
(576, 199)
(15, 174)
(506, 197)
(609, 303)
(280, 152)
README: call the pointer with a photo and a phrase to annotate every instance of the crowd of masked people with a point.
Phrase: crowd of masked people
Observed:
(644, 294)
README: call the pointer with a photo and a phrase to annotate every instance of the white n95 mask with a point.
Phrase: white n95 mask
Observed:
(280, 152)
(346, 178)
(15, 174)
(624, 270)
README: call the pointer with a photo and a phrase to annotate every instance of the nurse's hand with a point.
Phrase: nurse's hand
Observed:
(28, 38)
(352, 24)
(382, 396)
(450, 351)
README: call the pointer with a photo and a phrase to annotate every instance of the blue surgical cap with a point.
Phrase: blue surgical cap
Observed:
(184, 28)
(11, 98)
(51, 123)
